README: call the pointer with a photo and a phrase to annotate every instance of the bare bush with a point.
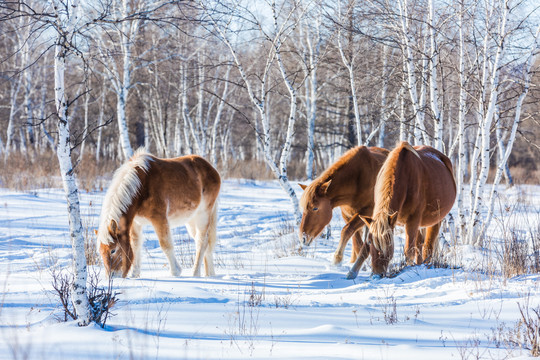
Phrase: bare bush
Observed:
(388, 306)
(514, 256)
(530, 318)
(101, 299)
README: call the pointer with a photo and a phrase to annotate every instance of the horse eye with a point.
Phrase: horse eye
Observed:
(113, 251)
(315, 209)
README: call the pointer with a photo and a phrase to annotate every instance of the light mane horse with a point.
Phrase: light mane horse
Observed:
(347, 184)
(414, 188)
(163, 193)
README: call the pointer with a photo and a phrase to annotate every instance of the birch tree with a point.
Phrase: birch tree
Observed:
(310, 43)
(257, 90)
(66, 21)
(484, 130)
(348, 62)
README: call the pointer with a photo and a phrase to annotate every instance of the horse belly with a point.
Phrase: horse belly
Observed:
(179, 219)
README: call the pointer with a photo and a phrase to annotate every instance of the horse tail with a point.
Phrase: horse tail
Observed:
(407, 146)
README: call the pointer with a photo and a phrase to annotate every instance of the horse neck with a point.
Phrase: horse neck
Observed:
(347, 182)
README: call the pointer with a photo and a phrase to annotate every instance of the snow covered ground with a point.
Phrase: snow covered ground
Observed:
(270, 299)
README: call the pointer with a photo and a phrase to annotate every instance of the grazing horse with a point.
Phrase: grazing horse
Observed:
(163, 193)
(348, 183)
(415, 187)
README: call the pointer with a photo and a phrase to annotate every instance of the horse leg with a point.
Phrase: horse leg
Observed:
(163, 231)
(354, 224)
(363, 253)
(432, 233)
(135, 236)
(212, 239)
(198, 229)
(412, 254)
(357, 243)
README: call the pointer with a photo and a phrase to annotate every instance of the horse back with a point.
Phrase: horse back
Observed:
(178, 185)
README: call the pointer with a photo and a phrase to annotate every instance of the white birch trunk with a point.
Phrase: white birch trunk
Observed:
(460, 171)
(177, 146)
(474, 222)
(100, 128)
(501, 166)
(14, 109)
(79, 297)
(433, 88)
(217, 119)
(85, 130)
(313, 53)
(350, 72)
(188, 121)
(417, 102)
(199, 130)
(384, 92)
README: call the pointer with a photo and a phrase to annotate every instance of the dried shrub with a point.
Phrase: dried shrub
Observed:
(530, 318)
(101, 299)
(514, 256)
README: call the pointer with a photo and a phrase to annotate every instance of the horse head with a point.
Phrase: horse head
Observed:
(316, 211)
(381, 228)
(115, 250)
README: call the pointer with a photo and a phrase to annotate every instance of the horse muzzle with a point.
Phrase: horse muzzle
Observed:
(306, 239)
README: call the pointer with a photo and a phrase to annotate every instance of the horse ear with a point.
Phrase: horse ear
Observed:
(366, 219)
(324, 187)
(392, 219)
(302, 186)
(113, 227)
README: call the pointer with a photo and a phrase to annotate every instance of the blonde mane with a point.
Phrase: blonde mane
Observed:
(384, 192)
(124, 186)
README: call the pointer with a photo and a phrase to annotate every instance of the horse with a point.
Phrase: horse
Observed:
(163, 193)
(415, 188)
(347, 184)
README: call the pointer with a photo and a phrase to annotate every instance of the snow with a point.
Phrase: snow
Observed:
(270, 299)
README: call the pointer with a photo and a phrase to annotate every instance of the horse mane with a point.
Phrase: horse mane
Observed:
(124, 186)
(328, 174)
(384, 191)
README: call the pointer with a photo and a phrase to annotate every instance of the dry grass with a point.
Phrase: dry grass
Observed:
(23, 172)
(248, 169)
(525, 176)
(95, 176)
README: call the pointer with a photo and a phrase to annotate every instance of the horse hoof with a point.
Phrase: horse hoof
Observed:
(376, 276)
(177, 272)
(351, 275)
(337, 260)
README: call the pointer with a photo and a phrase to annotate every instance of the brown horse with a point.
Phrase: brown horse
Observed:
(163, 193)
(348, 183)
(415, 188)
